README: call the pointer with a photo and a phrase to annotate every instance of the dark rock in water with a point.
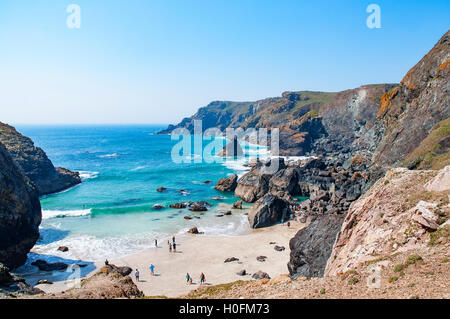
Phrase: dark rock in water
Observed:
(197, 217)
(178, 205)
(35, 163)
(44, 282)
(193, 230)
(157, 206)
(45, 266)
(311, 246)
(279, 248)
(272, 243)
(219, 215)
(268, 211)
(232, 149)
(237, 205)
(187, 217)
(81, 265)
(63, 248)
(260, 275)
(198, 208)
(242, 272)
(261, 258)
(227, 184)
(207, 182)
(231, 259)
(228, 213)
(20, 212)
(161, 189)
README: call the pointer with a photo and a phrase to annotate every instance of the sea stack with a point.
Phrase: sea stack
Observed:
(232, 149)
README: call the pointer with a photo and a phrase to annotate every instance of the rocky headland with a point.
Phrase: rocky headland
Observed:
(35, 163)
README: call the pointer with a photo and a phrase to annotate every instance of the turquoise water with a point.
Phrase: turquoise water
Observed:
(111, 213)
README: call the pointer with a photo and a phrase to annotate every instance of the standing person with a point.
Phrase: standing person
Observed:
(188, 279)
(170, 247)
(288, 224)
(152, 269)
(174, 247)
(136, 274)
(173, 240)
(156, 242)
(202, 279)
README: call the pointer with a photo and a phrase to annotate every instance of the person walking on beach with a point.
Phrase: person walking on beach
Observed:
(152, 269)
(136, 274)
(188, 279)
(174, 247)
(173, 240)
(156, 242)
(202, 279)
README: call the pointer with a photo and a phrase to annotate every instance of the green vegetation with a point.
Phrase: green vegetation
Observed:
(431, 153)
(393, 279)
(353, 281)
(439, 236)
(413, 259)
(322, 291)
(399, 267)
(214, 290)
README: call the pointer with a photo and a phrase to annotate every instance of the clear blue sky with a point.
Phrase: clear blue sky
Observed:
(159, 61)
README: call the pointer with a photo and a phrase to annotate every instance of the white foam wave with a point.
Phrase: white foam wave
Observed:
(88, 175)
(109, 155)
(47, 214)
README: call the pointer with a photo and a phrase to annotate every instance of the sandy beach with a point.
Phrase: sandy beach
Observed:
(199, 253)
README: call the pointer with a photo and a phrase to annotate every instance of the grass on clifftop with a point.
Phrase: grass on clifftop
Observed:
(432, 153)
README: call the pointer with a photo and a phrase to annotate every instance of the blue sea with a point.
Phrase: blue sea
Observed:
(110, 214)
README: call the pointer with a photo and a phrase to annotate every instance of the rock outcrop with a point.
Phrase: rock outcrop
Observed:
(35, 163)
(20, 212)
(311, 247)
(397, 214)
(227, 184)
(268, 211)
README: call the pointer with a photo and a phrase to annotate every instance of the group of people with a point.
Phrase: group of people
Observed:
(152, 271)
(189, 279)
(172, 245)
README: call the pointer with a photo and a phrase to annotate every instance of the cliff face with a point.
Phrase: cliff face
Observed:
(409, 112)
(35, 163)
(403, 211)
(308, 121)
(20, 212)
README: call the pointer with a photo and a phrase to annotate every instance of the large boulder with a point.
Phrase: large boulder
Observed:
(20, 212)
(227, 184)
(285, 180)
(252, 186)
(268, 211)
(35, 163)
(311, 246)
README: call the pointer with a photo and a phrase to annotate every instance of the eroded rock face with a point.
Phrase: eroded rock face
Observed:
(268, 211)
(311, 246)
(391, 217)
(227, 184)
(410, 110)
(35, 163)
(20, 212)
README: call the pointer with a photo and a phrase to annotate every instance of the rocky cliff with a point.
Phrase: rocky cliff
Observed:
(308, 121)
(410, 111)
(20, 212)
(35, 163)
